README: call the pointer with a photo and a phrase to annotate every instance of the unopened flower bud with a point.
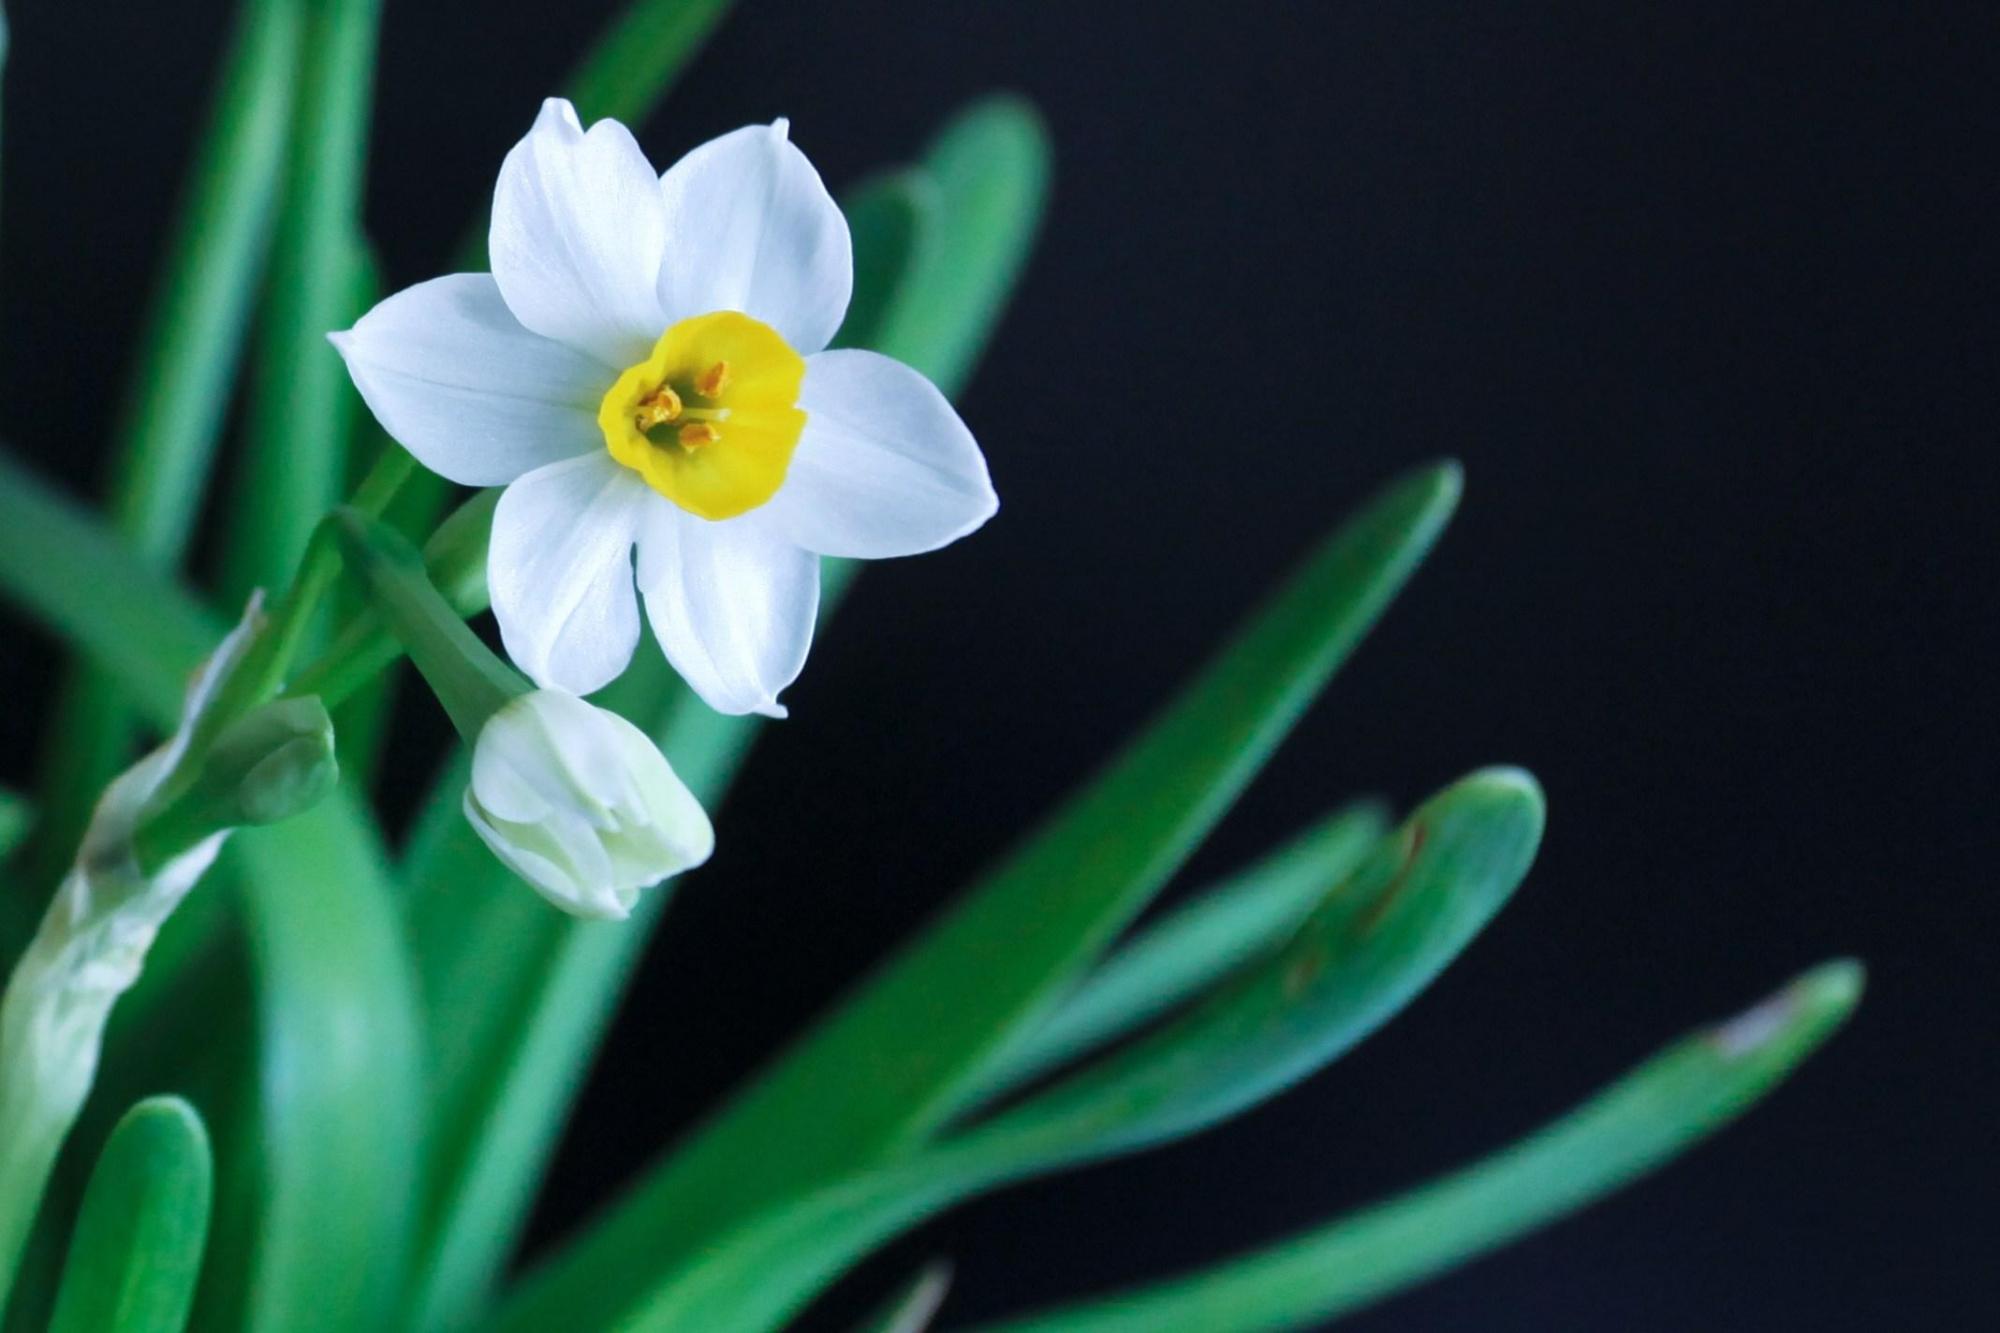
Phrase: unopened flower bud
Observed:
(274, 762)
(581, 804)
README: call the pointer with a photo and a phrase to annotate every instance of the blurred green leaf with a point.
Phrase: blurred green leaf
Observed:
(300, 405)
(173, 408)
(137, 1247)
(17, 815)
(517, 997)
(61, 565)
(635, 61)
(1371, 946)
(332, 1176)
(1185, 951)
(914, 1305)
(888, 1064)
(989, 172)
(893, 218)
(1684, 1093)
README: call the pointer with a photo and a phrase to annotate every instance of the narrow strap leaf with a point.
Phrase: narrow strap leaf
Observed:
(518, 998)
(1369, 949)
(300, 403)
(893, 218)
(64, 567)
(173, 409)
(1686, 1092)
(136, 1251)
(891, 1062)
(638, 58)
(989, 168)
(335, 1161)
(1188, 949)
(1371, 946)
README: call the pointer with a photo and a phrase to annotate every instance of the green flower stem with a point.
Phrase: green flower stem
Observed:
(173, 409)
(468, 679)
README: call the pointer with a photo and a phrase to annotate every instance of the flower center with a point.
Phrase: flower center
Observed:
(711, 416)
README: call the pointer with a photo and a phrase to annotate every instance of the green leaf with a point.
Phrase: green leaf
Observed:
(914, 1305)
(300, 403)
(1681, 1095)
(892, 1061)
(332, 1177)
(893, 218)
(1189, 948)
(65, 568)
(173, 409)
(636, 60)
(989, 169)
(518, 997)
(1371, 946)
(17, 816)
(136, 1250)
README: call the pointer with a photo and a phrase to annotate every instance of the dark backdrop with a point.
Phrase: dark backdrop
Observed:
(1703, 296)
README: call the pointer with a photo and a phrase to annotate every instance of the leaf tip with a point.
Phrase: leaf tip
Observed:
(1505, 788)
(1798, 1016)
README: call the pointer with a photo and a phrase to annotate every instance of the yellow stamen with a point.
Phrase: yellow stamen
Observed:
(696, 433)
(711, 382)
(657, 408)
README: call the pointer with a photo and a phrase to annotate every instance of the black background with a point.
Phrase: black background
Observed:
(1702, 294)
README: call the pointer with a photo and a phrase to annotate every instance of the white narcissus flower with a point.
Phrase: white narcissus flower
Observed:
(644, 367)
(578, 802)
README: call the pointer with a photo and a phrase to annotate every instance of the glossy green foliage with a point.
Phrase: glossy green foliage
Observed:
(1372, 944)
(188, 351)
(1682, 1094)
(1182, 953)
(988, 175)
(332, 1184)
(301, 405)
(136, 1250)
(888, 1065)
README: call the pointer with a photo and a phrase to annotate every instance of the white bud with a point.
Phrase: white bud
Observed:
(578, 802)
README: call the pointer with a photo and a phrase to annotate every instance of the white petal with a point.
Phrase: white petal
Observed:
(560, 570)
(448, 370)
(577, 234)
(885, 467)
(732, 603)
(751, 227)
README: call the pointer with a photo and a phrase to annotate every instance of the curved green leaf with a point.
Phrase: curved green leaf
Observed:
(893, 218)
(300, 404)
(63, 566)
(173, 409)
(136, 1250)
(989, 170)
(891, 1062)
(1371, 946)
(635, 61)
(1188, 949)
(1686, 1092)
(333, 1175)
